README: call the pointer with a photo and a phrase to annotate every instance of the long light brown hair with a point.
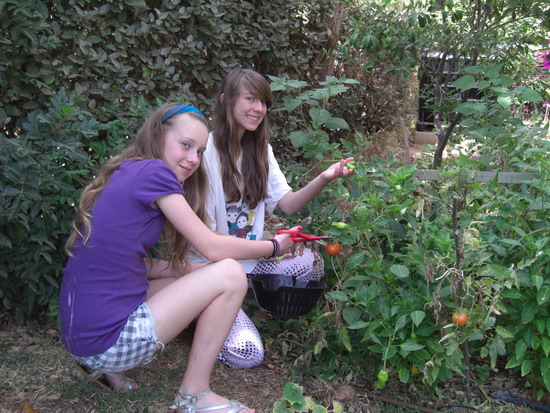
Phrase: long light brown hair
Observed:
(149, 144)
(252, 184)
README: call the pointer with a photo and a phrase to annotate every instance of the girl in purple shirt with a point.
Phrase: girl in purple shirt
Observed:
(116, 310)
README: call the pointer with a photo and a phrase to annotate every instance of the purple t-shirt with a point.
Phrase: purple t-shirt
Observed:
(106, 280)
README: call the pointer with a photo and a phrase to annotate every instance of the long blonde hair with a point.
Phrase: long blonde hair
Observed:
(149, 144)
(252, 184)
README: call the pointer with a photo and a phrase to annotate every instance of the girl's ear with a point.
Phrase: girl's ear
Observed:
(222, 98)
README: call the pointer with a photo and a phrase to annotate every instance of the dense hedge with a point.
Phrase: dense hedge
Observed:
(76, 79)
(127, 48)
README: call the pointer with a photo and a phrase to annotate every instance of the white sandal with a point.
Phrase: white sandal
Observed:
(188, 402)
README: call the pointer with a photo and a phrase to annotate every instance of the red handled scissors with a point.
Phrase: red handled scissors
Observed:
(297, 236)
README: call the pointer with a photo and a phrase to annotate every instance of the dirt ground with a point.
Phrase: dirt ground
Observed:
(37, 377)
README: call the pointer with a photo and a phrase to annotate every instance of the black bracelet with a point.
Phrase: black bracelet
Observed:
(276, 249)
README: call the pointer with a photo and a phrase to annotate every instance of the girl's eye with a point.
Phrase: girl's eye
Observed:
(185, 144)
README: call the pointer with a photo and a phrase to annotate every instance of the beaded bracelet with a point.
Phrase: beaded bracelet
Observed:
(276, 249)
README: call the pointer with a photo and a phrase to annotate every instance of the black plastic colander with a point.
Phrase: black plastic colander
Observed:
(284, 296)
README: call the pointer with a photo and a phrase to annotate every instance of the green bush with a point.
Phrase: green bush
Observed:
(125, 49)
(43, 171)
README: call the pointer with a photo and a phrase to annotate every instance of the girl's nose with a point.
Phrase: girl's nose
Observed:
(193, 157)
(259, 105)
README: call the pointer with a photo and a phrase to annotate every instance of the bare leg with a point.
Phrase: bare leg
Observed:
(214, 293)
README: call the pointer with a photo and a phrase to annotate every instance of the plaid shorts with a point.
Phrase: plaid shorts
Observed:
(135, 346)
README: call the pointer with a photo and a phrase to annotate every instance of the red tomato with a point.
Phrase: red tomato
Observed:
(460, 319)
(333, 249)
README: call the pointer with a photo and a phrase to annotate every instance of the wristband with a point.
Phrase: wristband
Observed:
(276, 249)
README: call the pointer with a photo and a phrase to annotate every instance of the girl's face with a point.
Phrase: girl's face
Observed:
(184, 144)
(248, 111)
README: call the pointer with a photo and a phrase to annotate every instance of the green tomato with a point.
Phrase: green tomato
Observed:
(382, 379)
(340, 225)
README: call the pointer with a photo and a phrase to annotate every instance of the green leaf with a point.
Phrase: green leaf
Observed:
(503, 332)
(404, 374)
(505, 101)
(355, 260)
(528, 312)
(399, 270)
(351, 314)
(543, 295)
(336, 123)
(545, 345)
(521, 347)
(411, 345)
(530, 95)
(401, 322)
(513, 362)
(471, 108)
(465, 83)
(318, 347)
(300, 138)
(513, 293)
(526, 367)
(540, 325)
(280, 407)
(319, 116)
(293, 393)
(136, 3)
(417, 317)
(338, 295)
(356, 325)
(546, 379)
(291, 103)
(344, 338)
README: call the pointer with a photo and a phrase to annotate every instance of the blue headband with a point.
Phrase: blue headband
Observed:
(180, 109)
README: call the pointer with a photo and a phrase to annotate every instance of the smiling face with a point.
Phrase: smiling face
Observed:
(248, 111)
(184, 144)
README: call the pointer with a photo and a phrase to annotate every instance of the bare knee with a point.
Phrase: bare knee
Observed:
(234, 275)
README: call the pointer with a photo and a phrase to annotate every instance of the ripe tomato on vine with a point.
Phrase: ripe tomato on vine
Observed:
(460, 319)
(333, 249)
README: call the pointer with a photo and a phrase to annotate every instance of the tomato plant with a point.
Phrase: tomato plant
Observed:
(333, 249)
(460, 319)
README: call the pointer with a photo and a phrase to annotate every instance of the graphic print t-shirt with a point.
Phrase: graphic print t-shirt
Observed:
(237, 219)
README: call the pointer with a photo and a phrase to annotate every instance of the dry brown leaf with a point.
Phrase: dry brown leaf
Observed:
(27, 408)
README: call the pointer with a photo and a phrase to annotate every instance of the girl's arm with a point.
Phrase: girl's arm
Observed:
(209, 244)
(293, 202)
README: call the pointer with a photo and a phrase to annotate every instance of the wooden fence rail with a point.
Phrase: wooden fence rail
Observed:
(503, 177)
